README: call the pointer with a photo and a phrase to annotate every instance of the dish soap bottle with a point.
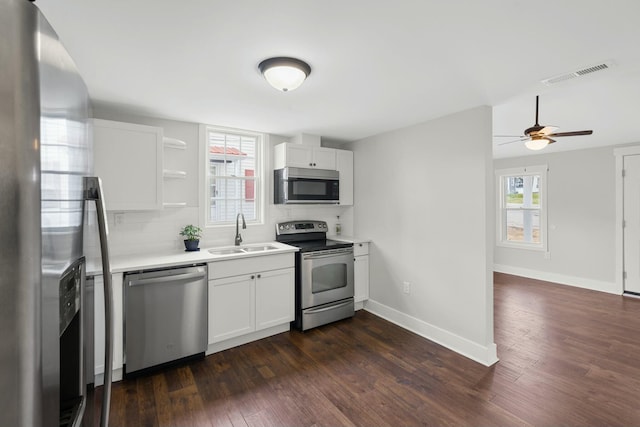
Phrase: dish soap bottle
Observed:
(338, 226)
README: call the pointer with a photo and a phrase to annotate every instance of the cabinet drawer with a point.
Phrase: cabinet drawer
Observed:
(360, 249)
(235, 267)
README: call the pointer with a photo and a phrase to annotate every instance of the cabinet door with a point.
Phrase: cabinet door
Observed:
(324, 158)
(274, 298)
(231, 307)
(344, 164)
(128, 157)
(299, 156)
(361, 278)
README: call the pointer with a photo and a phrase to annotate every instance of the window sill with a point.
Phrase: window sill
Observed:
(527, 246)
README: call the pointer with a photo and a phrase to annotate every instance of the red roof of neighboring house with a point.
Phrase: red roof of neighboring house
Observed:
(216, 149)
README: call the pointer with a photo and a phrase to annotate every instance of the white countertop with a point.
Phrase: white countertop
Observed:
(349, 239)
(136, 262)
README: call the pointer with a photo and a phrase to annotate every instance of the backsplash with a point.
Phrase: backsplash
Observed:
(158, 231)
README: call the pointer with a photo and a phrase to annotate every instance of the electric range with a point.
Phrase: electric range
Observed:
(324, 273)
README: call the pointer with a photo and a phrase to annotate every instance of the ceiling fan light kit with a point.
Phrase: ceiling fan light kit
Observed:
(537, 137)
(536, 144)
(283, 73)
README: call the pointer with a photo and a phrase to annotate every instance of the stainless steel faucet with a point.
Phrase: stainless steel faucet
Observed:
(244, 225)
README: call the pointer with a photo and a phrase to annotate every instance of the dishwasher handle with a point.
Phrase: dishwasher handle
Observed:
(164, 279)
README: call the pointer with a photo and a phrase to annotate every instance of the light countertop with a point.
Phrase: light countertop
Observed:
(349, 239)
(145, 261)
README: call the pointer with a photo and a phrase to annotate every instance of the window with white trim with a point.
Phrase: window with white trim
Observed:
(233, 176)
(522, 207)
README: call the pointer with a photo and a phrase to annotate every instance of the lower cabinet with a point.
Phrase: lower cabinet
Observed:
(275, 298)
(251, 301)
(231, 311)
(361, 271)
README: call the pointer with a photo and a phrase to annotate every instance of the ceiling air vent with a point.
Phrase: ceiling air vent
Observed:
(579, 73)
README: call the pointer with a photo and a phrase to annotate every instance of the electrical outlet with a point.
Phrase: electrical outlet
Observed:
(406, 287)
(118, 219)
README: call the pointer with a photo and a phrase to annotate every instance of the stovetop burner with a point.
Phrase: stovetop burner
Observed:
(307, 235)
(319, 245)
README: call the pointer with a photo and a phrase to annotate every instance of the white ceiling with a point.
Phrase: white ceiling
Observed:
(376, 65)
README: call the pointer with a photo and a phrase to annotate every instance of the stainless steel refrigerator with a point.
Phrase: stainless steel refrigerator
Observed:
(46, 308)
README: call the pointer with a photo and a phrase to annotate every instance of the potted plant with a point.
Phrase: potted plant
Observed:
(192, 237)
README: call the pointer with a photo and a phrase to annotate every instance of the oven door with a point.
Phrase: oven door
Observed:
(326, 276)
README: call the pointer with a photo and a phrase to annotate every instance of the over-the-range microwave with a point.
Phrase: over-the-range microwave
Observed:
(305, 186)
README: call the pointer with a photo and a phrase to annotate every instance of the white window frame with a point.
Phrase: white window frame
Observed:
(203, 171)
(501, 226)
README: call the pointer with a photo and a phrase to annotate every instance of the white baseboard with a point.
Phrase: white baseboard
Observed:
(578, 282)
(115, 376)
(486, 355)
(244, 339)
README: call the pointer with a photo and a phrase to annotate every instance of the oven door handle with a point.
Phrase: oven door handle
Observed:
(331, 307)
(331, 255)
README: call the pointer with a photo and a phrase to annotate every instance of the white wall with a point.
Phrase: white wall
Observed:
(158, 231)
(423, 194)
(581, 221)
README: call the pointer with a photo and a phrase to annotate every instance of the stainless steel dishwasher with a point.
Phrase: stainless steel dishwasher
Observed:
(165, 316)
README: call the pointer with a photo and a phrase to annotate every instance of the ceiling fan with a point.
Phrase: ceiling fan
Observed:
(537, 137)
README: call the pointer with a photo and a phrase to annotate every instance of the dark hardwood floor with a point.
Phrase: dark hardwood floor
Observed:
(568, 356)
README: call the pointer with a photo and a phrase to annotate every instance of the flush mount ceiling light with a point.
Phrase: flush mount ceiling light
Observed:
(285, 74)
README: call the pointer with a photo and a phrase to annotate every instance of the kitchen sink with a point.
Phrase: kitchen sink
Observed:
(259, 248)
(241, 250)
(226, 251)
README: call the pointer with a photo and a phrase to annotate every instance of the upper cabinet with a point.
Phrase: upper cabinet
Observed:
(304, 156)
(129, 159)
(344, 164)
(310, 156)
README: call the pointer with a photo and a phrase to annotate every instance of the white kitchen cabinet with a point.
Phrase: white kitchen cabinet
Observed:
(344, 164)
(361, 271)
(231, 311)
(99, 326)
(174, 173)
(304, 156)
(129, 159)
(275, 298)
(250, 294)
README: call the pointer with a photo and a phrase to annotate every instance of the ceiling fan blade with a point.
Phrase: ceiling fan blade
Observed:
(551, 141)
(521, 139)
(574, 133)
(508, 136)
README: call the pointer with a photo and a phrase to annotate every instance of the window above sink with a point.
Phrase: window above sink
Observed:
(232, 176)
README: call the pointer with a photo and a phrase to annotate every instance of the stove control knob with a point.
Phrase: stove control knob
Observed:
(281, 227)
(286, 226)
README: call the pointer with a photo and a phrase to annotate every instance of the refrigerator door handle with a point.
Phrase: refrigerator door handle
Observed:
(93, 191)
